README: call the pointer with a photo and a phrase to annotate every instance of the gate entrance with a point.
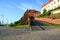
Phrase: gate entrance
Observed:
(31, 18)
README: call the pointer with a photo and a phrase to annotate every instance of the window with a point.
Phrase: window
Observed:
(54, 2)
(58, 0)
(51, 4)
(48, 6)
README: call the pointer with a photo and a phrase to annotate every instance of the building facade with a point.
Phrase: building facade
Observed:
(51, 5)
(55, 11)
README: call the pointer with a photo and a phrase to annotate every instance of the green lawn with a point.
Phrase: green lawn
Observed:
(54, 25)
(53, 16)
(22, 26)
(56, 16)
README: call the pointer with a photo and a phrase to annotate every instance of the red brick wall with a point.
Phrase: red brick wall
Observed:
(55, 21)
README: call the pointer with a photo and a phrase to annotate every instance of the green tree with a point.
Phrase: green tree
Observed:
(0, 23)
(16, 22)
(48, 13)
(44, 11)
(11, 25)
(22, 22)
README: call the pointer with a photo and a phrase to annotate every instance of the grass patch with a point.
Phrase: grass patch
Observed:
(55, 16)
(51, 24)
(20, 26)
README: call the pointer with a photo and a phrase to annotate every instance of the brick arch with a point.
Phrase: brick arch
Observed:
(31, 17)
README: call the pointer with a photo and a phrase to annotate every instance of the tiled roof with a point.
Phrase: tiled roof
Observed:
(47, 3)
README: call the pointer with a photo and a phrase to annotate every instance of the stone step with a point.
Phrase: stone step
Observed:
(35, 28)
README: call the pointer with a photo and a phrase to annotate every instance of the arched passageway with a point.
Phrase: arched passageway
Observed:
(31, 18)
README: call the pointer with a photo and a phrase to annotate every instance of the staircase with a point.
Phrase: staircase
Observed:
(35, 28)
(37, 25)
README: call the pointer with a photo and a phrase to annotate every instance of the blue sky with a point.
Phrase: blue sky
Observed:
(13, 10)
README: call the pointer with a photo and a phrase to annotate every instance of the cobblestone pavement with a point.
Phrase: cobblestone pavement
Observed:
(22, 34)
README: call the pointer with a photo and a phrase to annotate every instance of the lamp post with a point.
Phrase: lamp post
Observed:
(2, 16)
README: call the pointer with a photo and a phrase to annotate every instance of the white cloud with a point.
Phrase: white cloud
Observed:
(25, 6)
(22, 8)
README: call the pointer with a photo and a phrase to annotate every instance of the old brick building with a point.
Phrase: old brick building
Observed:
(30, 13)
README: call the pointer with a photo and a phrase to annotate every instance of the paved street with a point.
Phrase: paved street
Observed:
(22, 34)
(38, 25)
(40, 32)
(6, 32)
(53, 34)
